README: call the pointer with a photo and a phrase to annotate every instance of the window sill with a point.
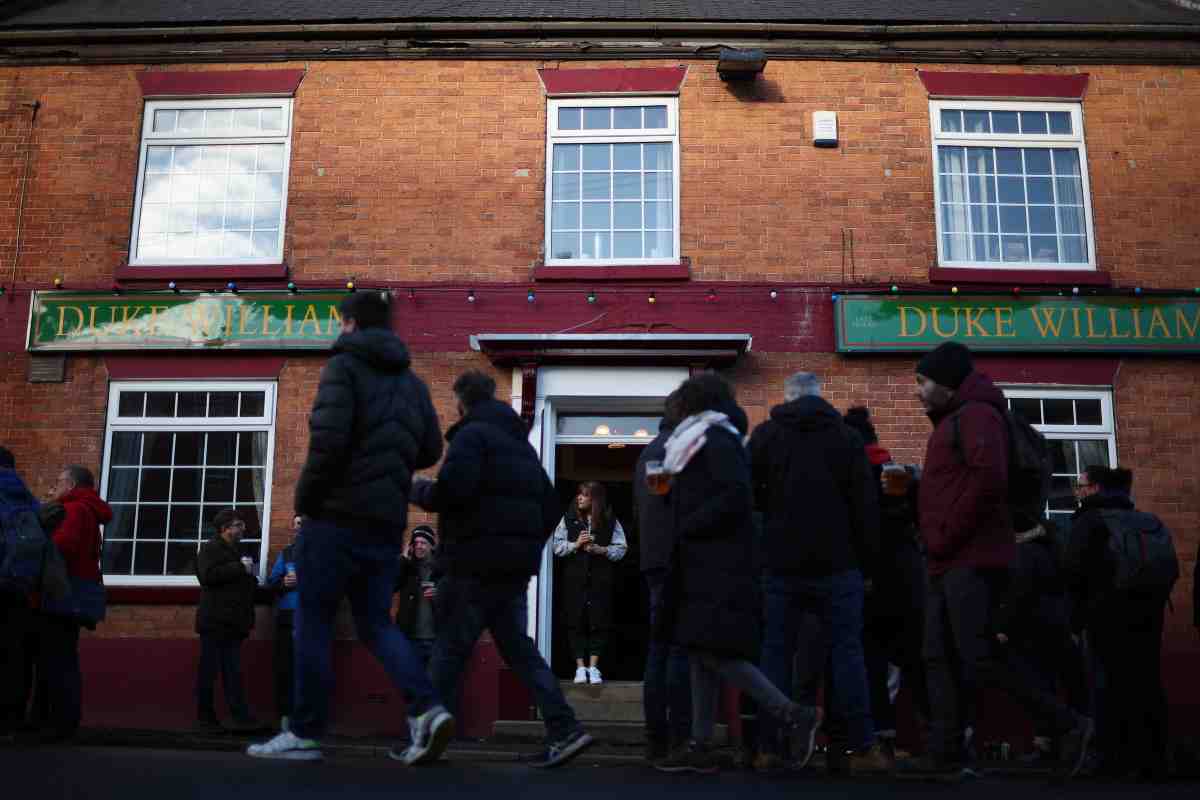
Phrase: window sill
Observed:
(245, 272)
(1027, 277)
(616, 272)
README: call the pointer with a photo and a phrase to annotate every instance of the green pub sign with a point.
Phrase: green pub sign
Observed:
(912, 323)
(168, 321)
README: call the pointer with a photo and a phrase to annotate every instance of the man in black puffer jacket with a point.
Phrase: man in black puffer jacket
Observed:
(372, 425)
(497, 510)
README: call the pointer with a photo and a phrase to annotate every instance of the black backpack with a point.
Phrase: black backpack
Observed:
(1030, 467)
(1141, 550)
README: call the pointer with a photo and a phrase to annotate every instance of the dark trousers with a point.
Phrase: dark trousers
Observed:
(14, 685)
(667, 690)
(588, 628)
(1132, 725)
(335, 561)
(284, 660)
(60, 676)
(221, 654)
(893, 633)
(962, 657)
(473, 605)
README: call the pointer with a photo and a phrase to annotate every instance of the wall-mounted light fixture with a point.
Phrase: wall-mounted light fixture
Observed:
(734, 64)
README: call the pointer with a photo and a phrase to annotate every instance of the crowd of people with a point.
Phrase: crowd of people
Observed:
(796, 562)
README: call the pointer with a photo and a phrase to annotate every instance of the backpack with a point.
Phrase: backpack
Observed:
(1030, 467)
(1141, 550)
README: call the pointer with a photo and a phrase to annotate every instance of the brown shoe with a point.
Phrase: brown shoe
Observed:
(768, 763)
(872, 761)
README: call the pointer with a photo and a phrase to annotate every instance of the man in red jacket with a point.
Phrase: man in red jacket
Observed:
(970, 543)
(78, 539)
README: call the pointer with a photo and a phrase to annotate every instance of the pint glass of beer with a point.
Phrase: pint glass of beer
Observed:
(895, 480)
(658, 480)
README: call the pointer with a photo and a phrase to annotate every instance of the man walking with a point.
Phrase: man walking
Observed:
(497, 510)
(814, 484)
(15, 617)
(372, 425)
(968, 531)
(666, 692)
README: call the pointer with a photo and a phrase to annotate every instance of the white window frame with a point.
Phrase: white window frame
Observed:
(1106, 431)
(265, 422)
(150, 137)
(964, 139)
(669, 134)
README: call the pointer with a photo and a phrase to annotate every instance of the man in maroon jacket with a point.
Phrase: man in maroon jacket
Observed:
(969, 538)
(78, 539)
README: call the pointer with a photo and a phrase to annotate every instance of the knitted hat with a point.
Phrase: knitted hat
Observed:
(859, 418)
(949, 365)
(424, 532)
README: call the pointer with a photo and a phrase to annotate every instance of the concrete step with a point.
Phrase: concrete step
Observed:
(618, 701)
(630, 734)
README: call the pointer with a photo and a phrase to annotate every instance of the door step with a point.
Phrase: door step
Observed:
(615, 701)
(620, 734)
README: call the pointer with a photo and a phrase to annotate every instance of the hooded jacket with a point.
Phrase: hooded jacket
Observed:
(655, 520)
(78, 536)
(964, 513)
(1089, 570)
(813, 482)
(372, 425)
(496, 503)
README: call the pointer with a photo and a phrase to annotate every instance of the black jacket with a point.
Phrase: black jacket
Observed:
(713, 592)
(226, 591)
(654, 516)
(372, 425)
(408, 587)
(496, 503)
(815, 486)
(1034, 611)
(1086, 563)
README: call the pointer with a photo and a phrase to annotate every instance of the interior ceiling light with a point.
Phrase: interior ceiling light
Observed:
(642, 432)
(602, 430)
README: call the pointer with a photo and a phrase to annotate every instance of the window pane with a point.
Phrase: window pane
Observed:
(190, 121)
(121, 526)
(242, 159)
(980, 160)
(952, 159)
(1028, 407)
(1062, 494)
(223, 404)
(164, 121)
(1033, 122)
(976, 122)
(266, 216)
(658, 215)
(564, 216)
(157, 447)
(982, 189)
(249, 485)
(568, 119)
(160, 404)
(1093, 453)
(660, 244)
(656, 117)
(566, 157)
(272, 119)
(658, 186)
(596, 185)
(1008, 161)
(219, 119)
(158, 159)
(148, 558)
(1041, 219)
(241, 187)
(192, 404)
(1070, 191)
(1088, 412)
(657, 155)
(265, 243)
(131, 404)
(596, 156)
(126, 448)
(564, 245)
(956, 247)
(268, 186)
(1044, 248)
(1040, 190)
(627, 185)
(1012, 190)
(627, 245)
(246, 119)
(1060, 122)
(627, 215)
(1063, 454)
(185, 485)
(155, 486)
(122, 484)
(596, 215)
(1014, 248)
(221, 449)
(1012, 219)
(189, 447)
(951, 121)
(1004, 122)
(597, 119)
(1070, 219)
(627, 156)
(627, 118)
(954, 188)
(218, 485)
(118, 557)
(566, 186)
(156, 189)
(185, 523)
(987, 248)
(1074, 250)
(151, 522)
(1059, 411)
(596, 245)
(1066, 162)
(181, 559)
(1037, 161)
(984, 219)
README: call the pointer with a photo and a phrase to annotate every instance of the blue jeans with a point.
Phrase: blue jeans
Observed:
(333, 561)
(667, 692)
(837, 601)
(473, 605)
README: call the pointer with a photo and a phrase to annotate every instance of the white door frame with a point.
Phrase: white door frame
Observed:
(582, 390)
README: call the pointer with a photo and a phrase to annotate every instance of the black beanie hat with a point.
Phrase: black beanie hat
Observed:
(424, 532)
(859, 418)
(949, 364)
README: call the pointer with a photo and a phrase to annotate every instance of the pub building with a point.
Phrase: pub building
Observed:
(592, 204)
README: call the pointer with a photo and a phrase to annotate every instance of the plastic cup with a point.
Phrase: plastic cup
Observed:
(658, 480)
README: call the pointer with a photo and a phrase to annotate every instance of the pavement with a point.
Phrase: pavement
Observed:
(81, 772)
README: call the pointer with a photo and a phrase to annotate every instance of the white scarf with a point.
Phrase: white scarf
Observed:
(691, 436)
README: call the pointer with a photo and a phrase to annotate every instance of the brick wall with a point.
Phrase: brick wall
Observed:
(416, 171)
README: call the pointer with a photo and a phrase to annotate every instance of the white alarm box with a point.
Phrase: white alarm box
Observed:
(825, 128)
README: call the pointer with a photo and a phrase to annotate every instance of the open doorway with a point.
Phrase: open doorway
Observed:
(613, 465)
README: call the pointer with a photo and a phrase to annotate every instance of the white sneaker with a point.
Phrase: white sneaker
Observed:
(581, 675)
(287, 746)
(414, 732)
(594, 675)
(435, 729)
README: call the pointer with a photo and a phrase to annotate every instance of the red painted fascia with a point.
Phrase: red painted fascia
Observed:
(1007, 86)
(152, 595)
(641, 272)
(1020, 277)
(625, 80)
(1053, 369)
(198, 366)
(243, 82)
(224, 272)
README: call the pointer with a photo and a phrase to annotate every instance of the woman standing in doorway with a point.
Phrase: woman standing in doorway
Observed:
(591, 541)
